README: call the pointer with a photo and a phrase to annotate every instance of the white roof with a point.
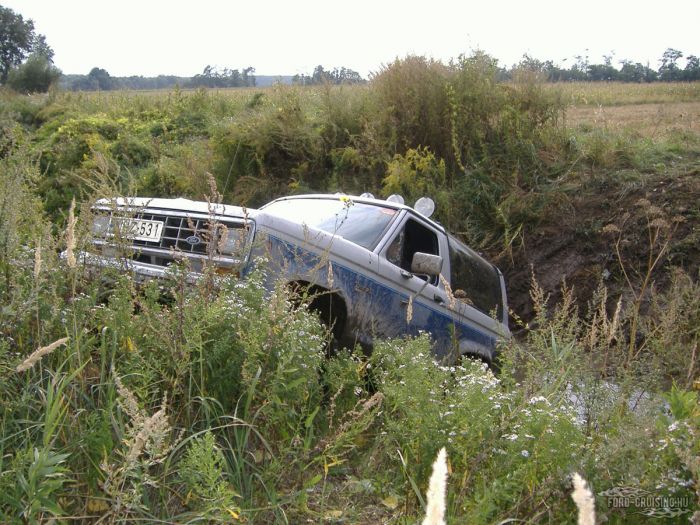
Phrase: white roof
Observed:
(354, 198)
(204, 207)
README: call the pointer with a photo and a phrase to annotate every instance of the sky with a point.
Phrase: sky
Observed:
(286, 37)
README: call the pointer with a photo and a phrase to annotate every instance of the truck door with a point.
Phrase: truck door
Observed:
(412, 303)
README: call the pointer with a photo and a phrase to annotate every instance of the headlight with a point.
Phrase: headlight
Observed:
(100, 225)
(232, 241)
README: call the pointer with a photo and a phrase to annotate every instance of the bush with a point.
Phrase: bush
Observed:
(36, 75)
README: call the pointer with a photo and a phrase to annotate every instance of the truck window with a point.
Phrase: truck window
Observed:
(363, 224)
(413, 237)
(473, 280)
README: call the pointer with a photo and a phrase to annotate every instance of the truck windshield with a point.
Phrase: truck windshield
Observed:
(360, 223)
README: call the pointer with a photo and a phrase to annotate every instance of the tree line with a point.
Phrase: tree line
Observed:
(670, 69)
(321, 76)
(99, 79)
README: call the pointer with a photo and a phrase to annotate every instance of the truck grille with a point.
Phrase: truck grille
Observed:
(181, 234)
(176, 231)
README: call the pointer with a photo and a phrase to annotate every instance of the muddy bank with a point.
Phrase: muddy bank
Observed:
(571, 243)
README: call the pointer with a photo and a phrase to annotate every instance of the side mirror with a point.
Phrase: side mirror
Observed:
(426, 264)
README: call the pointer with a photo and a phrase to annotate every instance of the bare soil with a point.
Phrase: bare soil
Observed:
(569, 245)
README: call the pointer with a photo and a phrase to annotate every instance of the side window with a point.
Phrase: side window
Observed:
(414, 237)
(474, 281)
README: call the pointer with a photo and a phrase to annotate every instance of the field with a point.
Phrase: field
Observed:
(622, 94)
(204, 404)
(650, 120)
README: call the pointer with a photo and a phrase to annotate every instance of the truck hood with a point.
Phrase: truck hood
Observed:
(180, 204)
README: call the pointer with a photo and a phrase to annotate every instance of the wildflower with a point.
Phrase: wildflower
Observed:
(583, 497)
(127, 398)
(451, 299)
(223, 237)
(37, 260)
(525, 453)
(329, 277)
(610, 229)
(659, 223)
(437, 489)
(39, 353)
(655, 210)
(70, 236)
(153, 428)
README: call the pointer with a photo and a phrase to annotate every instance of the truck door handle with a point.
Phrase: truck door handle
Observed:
(406, 275)
(438, 299)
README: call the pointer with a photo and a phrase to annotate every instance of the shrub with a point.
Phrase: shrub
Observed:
(502, 445)
(36, 75)
(419, 174)
(204, 477)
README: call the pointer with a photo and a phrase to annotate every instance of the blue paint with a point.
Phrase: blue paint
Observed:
(374, 309)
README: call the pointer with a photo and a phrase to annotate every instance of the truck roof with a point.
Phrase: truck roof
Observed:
(204, 207)
(365, 200)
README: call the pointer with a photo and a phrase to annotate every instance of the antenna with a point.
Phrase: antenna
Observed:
(425, 206)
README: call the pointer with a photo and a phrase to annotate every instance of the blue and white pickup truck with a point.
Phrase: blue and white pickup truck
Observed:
(373, 268)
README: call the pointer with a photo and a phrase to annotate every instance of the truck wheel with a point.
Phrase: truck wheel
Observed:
(329, 307)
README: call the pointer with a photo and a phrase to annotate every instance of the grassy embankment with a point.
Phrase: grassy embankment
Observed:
(219, 406)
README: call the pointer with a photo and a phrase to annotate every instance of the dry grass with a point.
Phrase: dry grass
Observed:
(620, 93)
(36, 356)
(585, 502)
(648, 120)
(437, 491)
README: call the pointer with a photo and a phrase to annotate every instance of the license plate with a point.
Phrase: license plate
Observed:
(141, 229)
